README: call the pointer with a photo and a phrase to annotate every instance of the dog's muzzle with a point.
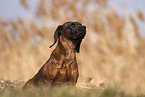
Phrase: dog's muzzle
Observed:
(80, 34)
(82, 30)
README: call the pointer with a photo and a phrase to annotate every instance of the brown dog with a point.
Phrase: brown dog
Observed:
(62, 66)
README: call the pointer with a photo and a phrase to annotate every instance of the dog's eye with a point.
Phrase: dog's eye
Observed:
(73, 25)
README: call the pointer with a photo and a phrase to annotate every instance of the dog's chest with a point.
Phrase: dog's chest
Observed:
(67, 63)
(65, 72)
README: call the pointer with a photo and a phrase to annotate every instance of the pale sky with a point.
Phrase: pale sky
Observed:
(12, 8)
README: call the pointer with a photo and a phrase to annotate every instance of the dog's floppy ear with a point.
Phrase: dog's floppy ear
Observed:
(77, 46)
(57, 34)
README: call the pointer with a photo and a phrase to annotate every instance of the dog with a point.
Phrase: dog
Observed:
(61, 68)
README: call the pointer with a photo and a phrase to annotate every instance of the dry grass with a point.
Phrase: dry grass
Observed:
(113, 49)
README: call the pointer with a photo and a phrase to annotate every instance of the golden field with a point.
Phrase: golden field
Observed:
(112, 52)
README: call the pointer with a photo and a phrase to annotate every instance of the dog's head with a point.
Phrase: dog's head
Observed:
(73, 31)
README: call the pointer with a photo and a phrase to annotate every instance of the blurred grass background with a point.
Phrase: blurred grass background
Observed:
(112, 51)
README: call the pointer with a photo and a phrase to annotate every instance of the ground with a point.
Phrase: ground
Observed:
(14, 89)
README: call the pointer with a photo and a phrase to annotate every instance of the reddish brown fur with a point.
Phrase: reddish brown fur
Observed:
(60, 68)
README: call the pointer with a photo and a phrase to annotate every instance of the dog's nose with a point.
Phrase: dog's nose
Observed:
(83, 27)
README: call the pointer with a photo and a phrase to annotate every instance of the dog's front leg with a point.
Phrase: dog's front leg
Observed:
(73, 78)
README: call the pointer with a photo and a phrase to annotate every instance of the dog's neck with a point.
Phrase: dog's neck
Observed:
(65, 47)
